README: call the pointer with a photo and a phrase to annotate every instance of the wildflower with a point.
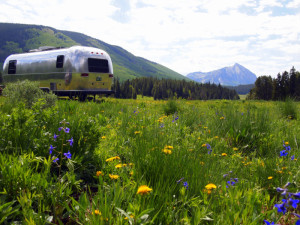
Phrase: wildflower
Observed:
(281, 207)
(137, 132)
(144, 189)
(204, 145)
(210, 186)
(98, 173)
(282, 190)
(235, 149)
(224, 154)
(181, 179)
(97, 212)
(113, 177)
(270, 178)
(293, 202)
(185, 184)
(112, 158)
(68, 155)
(283, 153)
(298, 221)
(167, 151)
(297, 195)
(55, 137)
(55, 159)
(268, 223)
(119, 166)
(222, 118)
(209, 151)
(51, 149)
(162, 125)
(70, 141)
(103, 137)
(285, 143)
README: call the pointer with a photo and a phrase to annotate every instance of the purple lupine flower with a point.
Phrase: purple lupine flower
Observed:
(185, 184)
(70, 141)
(55, 137)
(55, 159)
(51, 149)
(297, 195)
(283, 153)
(60, 128)
(281, 207)
(68, 155)
(293, 202)
(180, 180)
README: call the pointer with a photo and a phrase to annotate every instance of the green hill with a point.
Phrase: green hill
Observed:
(17, 38)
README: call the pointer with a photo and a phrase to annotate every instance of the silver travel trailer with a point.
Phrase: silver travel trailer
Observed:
(75, 71)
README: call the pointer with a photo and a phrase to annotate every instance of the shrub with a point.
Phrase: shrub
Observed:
(171, 107)
(28, 92)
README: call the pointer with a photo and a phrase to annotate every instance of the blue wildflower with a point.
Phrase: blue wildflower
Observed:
(185, 184)
(162, 125)
(292, 157)
(282, 190)
(209, 151)
(55, 159)
(70, 141)
(281, 207)
(283, 153)
(67, 130)
(55, 137)
(287, 148)
(68, 155)
(208, 146)
(268, 223)
(293, 202)
(298, 221)
(297, 195)
(181, 179)
(51, 149)
(60, 128)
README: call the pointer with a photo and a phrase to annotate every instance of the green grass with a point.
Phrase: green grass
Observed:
(175, 155)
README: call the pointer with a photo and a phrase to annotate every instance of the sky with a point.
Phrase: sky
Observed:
(183, 35)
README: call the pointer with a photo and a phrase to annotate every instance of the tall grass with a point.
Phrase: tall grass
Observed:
(175, 148)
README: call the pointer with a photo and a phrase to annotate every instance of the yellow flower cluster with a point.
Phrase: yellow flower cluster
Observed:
(98, 173)
(112, 159)
(144, 189)
(161, 119)
(168, 149)
(209, 188)
(120, 165)
(113, 177)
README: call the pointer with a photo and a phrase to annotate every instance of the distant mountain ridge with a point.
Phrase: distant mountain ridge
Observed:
(230, 76)
(17, 38)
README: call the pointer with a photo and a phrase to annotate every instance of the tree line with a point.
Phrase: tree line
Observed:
(285, 85)
(167, 89)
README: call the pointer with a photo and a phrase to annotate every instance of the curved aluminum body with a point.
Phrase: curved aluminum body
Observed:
(72, 75)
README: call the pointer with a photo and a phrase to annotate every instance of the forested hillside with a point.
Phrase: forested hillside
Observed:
(17, 38)
(168, 89)
(283, 86)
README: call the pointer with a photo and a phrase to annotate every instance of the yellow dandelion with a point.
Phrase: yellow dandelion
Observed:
(113, 177)
(210, 186)
(224, 154)
(280, 171)
(112, 158)
(103, 137)
(169, 147)
(222, 118)
(167, 151)
(270, 178)
(131, 173)
(144, 189)
(204, 145)
(286, 143)
(97, 212)
(137, 132)
(98, 173)
(119, 166)
(235, 149)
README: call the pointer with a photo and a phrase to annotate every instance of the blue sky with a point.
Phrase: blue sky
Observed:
(186, 36)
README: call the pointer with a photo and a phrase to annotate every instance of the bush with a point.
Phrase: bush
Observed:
(171, 107)
(28, 92)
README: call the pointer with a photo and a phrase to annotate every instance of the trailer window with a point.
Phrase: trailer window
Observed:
(60, 61)
(98, 65)
(12, 66)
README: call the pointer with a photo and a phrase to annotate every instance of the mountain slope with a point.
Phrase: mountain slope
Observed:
(17, 38)
(230, 76)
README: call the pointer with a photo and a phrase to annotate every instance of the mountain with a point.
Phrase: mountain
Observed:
(230, 76)
(17, 38)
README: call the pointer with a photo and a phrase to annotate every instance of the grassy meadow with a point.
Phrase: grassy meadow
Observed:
(150, 162)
